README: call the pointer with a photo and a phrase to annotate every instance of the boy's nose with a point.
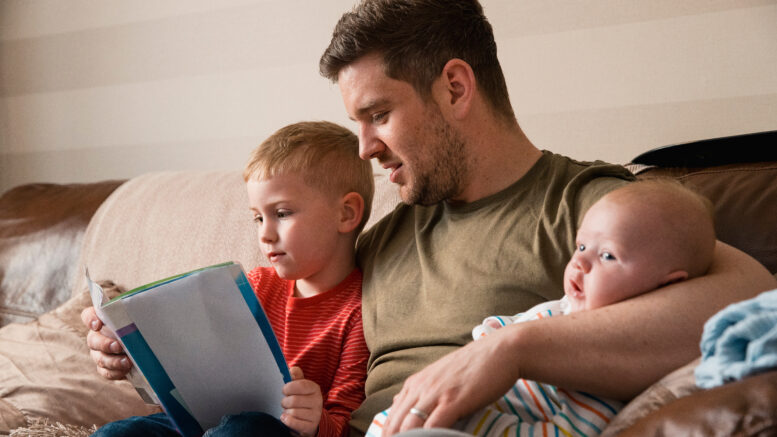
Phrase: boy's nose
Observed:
(267, 234)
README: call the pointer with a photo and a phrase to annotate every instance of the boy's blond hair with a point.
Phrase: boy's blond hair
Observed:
(681, 217)
(325, 154)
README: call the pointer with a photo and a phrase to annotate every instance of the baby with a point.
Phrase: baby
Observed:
(635, 239)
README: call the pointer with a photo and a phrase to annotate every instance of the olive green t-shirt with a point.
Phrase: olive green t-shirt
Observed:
(431, 273)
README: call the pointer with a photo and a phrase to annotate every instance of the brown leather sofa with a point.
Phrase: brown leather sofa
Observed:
(160, 224)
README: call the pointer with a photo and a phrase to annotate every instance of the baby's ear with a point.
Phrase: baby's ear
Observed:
(351, 212)
(675, 276)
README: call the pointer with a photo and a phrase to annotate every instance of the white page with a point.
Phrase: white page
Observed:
(206, 338)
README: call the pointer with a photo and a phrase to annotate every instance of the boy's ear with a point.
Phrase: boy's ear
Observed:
(675, 276)
(351, 212)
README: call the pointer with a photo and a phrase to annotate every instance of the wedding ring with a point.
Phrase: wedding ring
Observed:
(420, 414)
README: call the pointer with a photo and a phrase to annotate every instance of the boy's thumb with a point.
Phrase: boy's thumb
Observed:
(296, 373)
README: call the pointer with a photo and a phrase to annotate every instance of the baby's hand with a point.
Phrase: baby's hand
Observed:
(302, 404)
(489, 325)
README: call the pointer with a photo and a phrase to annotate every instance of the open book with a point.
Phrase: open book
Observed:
(200, 344)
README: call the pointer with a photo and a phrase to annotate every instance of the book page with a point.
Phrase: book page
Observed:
(206, 338)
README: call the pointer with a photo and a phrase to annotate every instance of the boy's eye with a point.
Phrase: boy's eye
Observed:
(607, 256)
(581, 247)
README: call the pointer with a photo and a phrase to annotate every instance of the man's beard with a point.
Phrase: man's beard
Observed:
(442, 176)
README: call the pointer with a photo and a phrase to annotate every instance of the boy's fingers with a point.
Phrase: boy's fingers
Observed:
(296, 373)
(303, 387)
(301, 426)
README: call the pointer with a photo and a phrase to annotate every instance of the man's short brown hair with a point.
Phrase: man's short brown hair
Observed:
(415, 39)
(325, 154)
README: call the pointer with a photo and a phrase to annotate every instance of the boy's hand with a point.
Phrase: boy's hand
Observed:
(106, 352)
(302, 404)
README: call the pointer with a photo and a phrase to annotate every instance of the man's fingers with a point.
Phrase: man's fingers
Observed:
(399, 418)
(111, 366)
(97, 341)
(441, 417)
(90, 319)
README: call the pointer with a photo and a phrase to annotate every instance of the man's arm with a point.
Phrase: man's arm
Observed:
(615, 351)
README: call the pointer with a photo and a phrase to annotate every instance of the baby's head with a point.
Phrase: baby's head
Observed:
(310, 194)
(638, 238)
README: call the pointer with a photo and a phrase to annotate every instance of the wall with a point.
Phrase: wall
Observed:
(111, 89)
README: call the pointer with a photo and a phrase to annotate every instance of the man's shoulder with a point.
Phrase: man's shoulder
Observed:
(560, 165)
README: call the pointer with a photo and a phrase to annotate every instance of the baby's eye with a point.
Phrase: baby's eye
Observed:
(258, 219)
(607, 256)
(581, 247)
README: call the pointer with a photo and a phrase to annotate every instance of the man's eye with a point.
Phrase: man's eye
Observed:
(378, 117)
(581, 247)
(607, 256)
(283, 213)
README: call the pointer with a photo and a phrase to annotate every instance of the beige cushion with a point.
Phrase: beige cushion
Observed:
(45, 371)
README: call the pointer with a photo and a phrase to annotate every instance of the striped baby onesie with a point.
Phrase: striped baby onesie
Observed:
(531, 408)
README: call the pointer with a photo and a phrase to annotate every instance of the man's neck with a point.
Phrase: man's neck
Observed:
(500, 154)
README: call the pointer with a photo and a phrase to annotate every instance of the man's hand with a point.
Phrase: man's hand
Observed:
(454, 386)
(106, 352)
(302, 404)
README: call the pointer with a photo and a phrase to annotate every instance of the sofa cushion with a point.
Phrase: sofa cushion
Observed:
(46, 372)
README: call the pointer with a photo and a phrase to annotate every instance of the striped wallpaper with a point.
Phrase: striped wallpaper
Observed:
(106, 89)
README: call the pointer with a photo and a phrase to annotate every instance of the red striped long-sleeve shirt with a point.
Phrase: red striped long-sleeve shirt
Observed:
(322, 335)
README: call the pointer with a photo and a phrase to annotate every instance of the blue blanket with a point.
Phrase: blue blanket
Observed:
(739, 341)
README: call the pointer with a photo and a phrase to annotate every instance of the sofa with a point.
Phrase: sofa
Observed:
(132, 232)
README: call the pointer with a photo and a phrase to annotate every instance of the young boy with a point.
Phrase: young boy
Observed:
(310, 195)
(633, 240)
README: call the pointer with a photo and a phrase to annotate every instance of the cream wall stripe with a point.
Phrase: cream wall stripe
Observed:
(513, 18)
(622, 133)
(714, 55)
(254, 36)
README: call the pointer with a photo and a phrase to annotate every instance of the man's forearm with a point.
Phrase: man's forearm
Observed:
(619, 350)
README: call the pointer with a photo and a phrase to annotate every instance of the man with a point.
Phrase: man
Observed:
(488, 227)
(489, 222)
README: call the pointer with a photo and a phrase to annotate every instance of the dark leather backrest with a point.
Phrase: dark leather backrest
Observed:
(744, 196)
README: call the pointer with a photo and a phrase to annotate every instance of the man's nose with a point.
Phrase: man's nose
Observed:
(370, 146)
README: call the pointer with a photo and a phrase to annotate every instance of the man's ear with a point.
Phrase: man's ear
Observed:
(459, 84)
(351, 212)
(675, 276)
